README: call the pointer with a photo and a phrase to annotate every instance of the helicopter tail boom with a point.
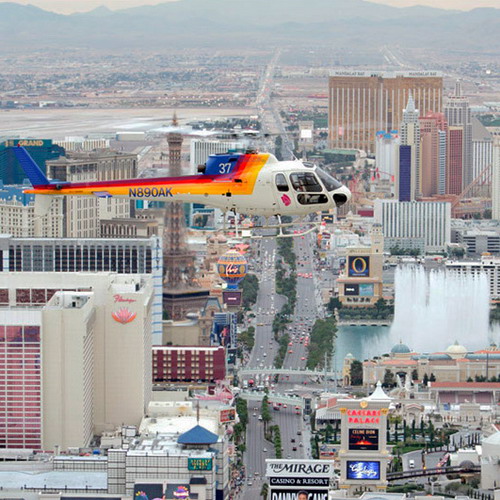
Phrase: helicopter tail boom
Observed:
(31, 169)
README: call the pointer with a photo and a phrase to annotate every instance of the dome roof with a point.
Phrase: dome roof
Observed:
(400, 348)
(349, 356)
(456, 348)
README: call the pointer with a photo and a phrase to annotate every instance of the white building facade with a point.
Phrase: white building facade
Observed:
(401, 220)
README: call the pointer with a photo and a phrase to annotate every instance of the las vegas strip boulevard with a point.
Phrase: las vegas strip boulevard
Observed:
(299, 480)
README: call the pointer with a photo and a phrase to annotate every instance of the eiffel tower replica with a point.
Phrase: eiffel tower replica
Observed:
(180, 291)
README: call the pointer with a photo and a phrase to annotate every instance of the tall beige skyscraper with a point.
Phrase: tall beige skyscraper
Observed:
(361, 103)
(495, 185)
(75, 355)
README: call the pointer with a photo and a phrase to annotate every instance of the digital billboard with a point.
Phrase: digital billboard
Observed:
(366, 289)
(351, 289)
(363, 439)
(199, 464)
(232, 297)
(305, 494)
(364, 470)
(359, 267)
(148, 491)
(177, 492)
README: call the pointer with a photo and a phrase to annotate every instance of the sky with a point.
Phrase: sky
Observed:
(70, 6)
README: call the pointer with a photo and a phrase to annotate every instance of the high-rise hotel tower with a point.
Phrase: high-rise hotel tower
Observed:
(361, 103)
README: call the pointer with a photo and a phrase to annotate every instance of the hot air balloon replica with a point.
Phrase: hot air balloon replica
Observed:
(232, 268)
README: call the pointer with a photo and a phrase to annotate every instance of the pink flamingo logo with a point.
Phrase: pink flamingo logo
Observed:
(286, 200)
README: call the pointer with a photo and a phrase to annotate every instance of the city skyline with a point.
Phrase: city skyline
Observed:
(64, 7)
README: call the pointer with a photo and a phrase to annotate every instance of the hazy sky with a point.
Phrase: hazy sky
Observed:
(69, 6)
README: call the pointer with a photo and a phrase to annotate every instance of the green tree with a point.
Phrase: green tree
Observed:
(414, 375)
(426, 379)
(431, 431)
(389, 380)
(328, 432)
(432, 378)
(356, 372)
(264, 491)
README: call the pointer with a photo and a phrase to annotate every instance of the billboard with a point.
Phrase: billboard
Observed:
(195, 464)
(361, 289)
(305, 494)
(303, 482)
(328, 451)
(363, 439)
(359, 267)
(366, 289)
(299, 468)
(177, 492)
(148, 491)
(232, 297)
(364, 470)
(228, 415)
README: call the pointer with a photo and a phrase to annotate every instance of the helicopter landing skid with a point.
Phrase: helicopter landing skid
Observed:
(236, 231)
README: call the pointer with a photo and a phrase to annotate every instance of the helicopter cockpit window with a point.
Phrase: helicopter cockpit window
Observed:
(312, 199)
(330, 182)
(281, 183)
(305, 182)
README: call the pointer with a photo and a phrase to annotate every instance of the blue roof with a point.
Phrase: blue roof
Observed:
(400, 349)
(198, 435)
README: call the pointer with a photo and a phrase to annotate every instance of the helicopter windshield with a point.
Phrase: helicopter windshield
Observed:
(330, 183)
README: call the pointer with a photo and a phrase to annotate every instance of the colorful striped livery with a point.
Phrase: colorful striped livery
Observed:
(241, 182)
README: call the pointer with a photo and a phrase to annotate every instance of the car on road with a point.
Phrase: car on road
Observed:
(299, 433)
(292, 440)
(260, 324)
(411, 463)
(294, 448)
(264, 450)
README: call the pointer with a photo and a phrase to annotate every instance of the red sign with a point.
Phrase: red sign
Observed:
(363, 416)
(227, 416)
(119, 298)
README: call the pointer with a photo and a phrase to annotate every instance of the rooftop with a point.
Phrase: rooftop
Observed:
(465, 385)
(198, 435)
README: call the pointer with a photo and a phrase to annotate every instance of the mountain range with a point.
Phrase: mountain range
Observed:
(235, 23)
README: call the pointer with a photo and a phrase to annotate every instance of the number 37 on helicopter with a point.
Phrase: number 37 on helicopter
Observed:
(251, 183)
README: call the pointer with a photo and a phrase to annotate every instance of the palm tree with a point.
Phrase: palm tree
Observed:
(264, 491)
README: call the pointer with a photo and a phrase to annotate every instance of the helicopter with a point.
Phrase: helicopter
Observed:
(250, 183)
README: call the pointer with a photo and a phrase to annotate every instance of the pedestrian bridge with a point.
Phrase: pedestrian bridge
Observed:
(252, 372)
(408, 474)
(284, 399)
(363, 322)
